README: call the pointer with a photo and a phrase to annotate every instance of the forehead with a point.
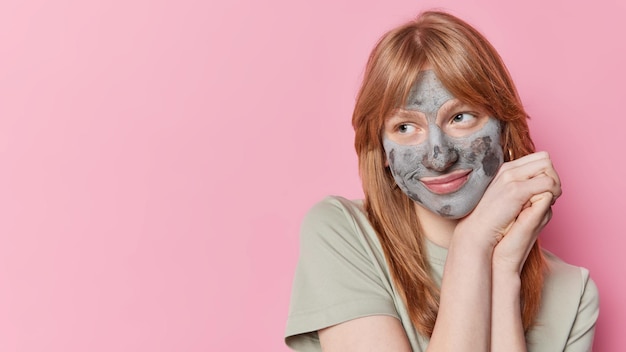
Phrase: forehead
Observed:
(428, 93)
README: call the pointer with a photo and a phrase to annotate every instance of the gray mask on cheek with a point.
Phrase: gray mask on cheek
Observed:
(479, 153)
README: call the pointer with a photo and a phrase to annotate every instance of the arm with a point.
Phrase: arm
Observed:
(463, 321)
(506, 222)
(507, 331)
(339, 277)
(479, 304)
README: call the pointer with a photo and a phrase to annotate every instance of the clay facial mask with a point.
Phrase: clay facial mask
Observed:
(442, 153)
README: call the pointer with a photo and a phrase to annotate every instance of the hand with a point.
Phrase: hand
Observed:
(528, 183)
(511, 252)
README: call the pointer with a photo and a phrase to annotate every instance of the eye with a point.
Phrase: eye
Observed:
(405, 128)
(462, 117)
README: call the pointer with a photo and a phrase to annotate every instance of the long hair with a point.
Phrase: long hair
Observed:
(471, 69)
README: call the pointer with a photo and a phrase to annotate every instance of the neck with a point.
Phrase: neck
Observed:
(436, 228)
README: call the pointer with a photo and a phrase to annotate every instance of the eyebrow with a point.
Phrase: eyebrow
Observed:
(449, 105)
(452, 105)
(403, 114)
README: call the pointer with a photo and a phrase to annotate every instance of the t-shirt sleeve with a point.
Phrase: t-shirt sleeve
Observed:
(581, 335)
(337, 278)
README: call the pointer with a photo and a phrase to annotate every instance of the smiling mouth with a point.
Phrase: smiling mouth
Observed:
(448, 183)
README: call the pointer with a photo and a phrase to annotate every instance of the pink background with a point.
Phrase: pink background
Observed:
(157, 156)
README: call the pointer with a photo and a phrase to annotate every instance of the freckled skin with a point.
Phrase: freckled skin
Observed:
(441, 154)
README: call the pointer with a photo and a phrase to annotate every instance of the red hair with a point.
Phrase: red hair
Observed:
(471, 69)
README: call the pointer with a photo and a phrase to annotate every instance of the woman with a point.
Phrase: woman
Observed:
(442, 254)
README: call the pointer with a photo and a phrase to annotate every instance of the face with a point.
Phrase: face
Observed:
(442, 153)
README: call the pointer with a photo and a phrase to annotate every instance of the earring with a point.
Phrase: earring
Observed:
(510, 154)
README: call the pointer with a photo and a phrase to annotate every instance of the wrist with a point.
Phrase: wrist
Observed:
(475, 233)
(466, 252)
(508, 278)
(504, 266)
(473, 242)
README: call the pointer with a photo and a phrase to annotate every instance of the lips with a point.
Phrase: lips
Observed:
(448, 183)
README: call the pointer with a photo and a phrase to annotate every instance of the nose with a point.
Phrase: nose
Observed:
(440, 154)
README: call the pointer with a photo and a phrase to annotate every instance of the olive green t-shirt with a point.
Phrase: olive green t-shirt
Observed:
(342, 275)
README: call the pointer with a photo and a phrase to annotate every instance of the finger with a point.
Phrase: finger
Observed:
(524, 193)
(536, 216)
(530, 169)
(517, 243)
(536, 169)
(551, 172)
(529, 223)
(543, 158)
(547, 217)
(539, 197)
(535, 161)
(535, 199)
(526, 159)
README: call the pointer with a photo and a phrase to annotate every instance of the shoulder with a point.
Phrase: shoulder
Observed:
(564, 276)
(569, 308)
(333, 217)
(334, 208)
(341, 273)
(336, 230)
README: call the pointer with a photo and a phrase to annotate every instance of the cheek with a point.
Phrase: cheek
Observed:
(480, 146)
(391, 157)
(477, 149)
(405, 160)
(485, 149)
(396, 166)
(491, 163)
